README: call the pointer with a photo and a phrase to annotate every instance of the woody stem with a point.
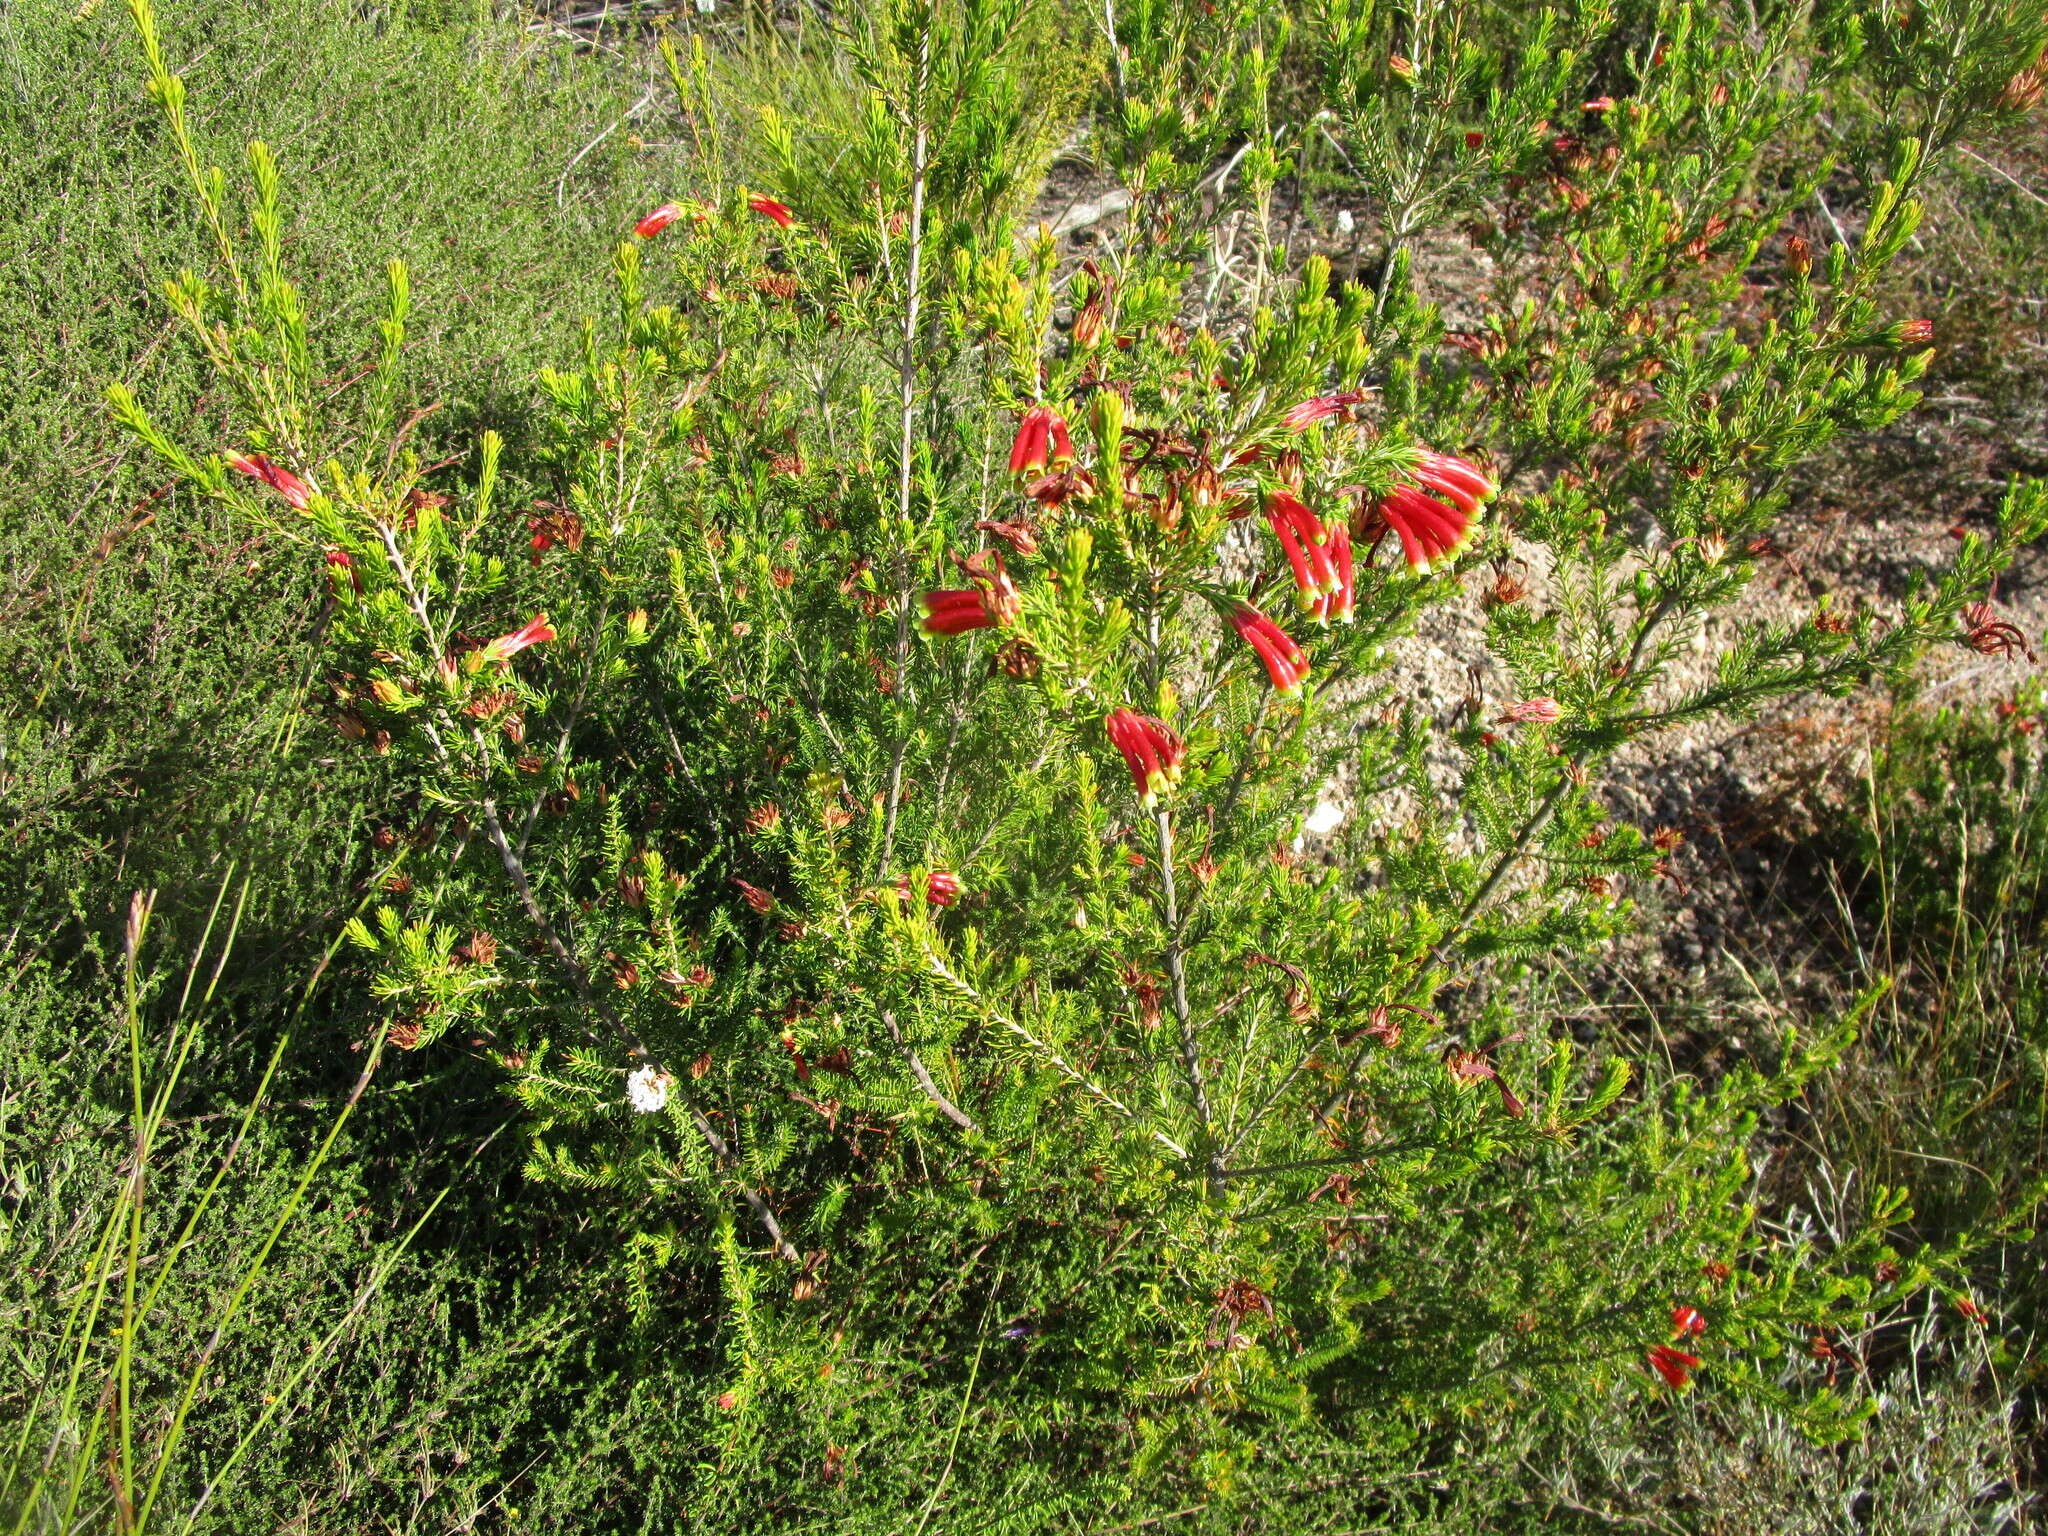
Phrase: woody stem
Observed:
(1177, 984)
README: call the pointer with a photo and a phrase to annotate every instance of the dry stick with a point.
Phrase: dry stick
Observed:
(947, 1107)
(907, 384)
(515, 871)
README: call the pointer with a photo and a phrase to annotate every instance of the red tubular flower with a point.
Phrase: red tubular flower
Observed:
(1674, 1365)
(1338, 603)
(1151, 750)
(941, 888)
(1042, 434)
(1303, 538)
(955, 612)
(532, 632)
(1456, 480)
(768, 208)
(658, 220)
(1321, 408)
(257, 466)
(1286, 666)
(1306, 586)
(1687, 1322)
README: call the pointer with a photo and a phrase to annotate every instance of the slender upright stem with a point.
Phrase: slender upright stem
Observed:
(906, 375)
(1177, 985)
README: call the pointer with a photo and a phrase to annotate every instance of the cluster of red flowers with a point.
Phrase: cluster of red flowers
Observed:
(1041, 437)
(1286, 665)
(1434, 513)
(1318, 554)
(1673, 1364)
(941, 887)
(1435, 516)
(1151, 750)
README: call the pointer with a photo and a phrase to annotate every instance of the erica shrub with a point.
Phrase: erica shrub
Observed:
(849, 767)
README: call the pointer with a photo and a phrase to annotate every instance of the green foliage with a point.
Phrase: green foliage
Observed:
(1944, 851)
(153, 652)
(968, 1109)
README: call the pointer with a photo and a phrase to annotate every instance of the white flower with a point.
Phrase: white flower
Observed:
(647, 1089)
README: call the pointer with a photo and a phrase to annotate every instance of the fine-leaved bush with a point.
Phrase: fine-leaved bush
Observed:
(852, 758)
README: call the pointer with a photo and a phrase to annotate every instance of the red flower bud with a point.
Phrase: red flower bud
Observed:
(1687, 1322)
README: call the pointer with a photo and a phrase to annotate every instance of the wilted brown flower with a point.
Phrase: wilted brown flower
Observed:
(1989, 635)
(1240, 1299)
(1015, 658)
